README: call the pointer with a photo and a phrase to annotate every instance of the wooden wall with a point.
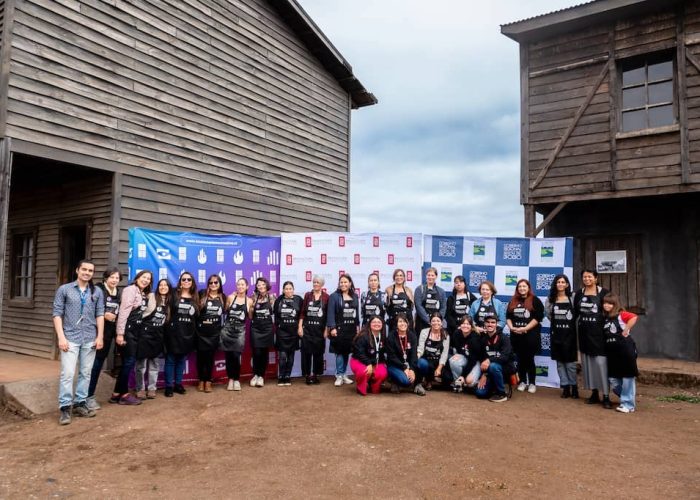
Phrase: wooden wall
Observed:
(217, 116)
(572, 148)
(29, 330)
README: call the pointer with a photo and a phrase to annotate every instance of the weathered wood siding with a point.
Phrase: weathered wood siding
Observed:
(29, 330)
(218, 117)
(572, 117)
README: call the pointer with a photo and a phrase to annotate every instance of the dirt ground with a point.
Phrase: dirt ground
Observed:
(324, 442)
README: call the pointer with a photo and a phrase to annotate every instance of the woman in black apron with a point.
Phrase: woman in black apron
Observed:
(180, 336)
(209, 322)
(562, 338)
(343, 325)
(486, 306)
(133, 304)
(433, 350)
(287, 310)
(150, 345)
(312, 329)
(399, 299)
(429, 299)
(110, 292)
(233, 332)
(524, 318)
(588, 305)
(261, 330)
(458, 304)
(373, 301)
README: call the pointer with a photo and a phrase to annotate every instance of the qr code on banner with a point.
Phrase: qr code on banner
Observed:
(447, 249)
(512, 251)
(477, 277)
(544, 281)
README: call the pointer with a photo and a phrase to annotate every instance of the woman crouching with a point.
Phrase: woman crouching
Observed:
(368, 361)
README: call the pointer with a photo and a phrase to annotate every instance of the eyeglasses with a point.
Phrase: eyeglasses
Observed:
(185, 279)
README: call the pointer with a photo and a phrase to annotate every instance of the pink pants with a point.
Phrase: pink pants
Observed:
(362, 380)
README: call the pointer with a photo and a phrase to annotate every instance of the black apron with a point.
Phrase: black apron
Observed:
(372, 305)
(132, 330)
(590, 326)
(483, 311)
(233, 332)
(110, 328)
(261, 332)
(461, 307)
(432, 350)
(400, 303)
(431, 304)
(151, 338)
(314, 323)
(524, 343)
(346, 327)
(620, 351)
(180, 336)
(562, 343)
(209, 324)
(287, 325)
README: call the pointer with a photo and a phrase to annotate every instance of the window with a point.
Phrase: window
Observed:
(647, 94)
(23, 266)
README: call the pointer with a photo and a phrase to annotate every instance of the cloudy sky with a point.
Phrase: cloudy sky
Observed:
(439, 154)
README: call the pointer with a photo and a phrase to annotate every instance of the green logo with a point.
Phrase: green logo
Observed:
(547, 252)
(479, 250)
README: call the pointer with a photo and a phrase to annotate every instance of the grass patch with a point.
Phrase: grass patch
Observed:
(680, 397)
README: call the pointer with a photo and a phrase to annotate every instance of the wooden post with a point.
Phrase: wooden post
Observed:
(614, 99)
(529, 220)
(682, 95)
(524, 124)
(116, 218)
(5, 176)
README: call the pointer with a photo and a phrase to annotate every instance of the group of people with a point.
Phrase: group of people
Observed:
(414, 339)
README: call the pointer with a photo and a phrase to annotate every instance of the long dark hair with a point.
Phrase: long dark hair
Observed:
(351, 290)
(529, 298)
(165, 301)
(553, 292)
(365, 331)
(192, 290)
(146, 290)
(205, 293)
(443, 332)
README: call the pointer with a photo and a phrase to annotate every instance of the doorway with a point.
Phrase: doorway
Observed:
(73, 247)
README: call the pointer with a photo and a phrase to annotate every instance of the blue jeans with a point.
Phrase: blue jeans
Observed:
(426, 369)
(341, 364)
(174, 369)
(397, 376)
(457, 363)
(567, 373)
(494, 381)
(626, 389)
(285, 364)
(84, 355)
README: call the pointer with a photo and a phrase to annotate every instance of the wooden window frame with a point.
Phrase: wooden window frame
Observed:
(18, 300)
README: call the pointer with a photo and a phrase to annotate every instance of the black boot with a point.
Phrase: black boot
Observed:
(565, 393)
(606, 403)
(594, 399)
(574, 392)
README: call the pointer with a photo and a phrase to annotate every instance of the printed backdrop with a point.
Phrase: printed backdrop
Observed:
(332, 254)
(504, 261)
(231, 256)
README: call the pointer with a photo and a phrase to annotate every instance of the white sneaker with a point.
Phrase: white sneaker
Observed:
(229, 387)
(347, 380)
(260, 382)
(254, 381)
(531, 389)
(522, 386)
(624, 409)
(338, 380)
(236, 385)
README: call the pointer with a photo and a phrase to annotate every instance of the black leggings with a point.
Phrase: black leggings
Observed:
(309, 360)
(526, 346)
(233, 365)
(205, 365)
(260, 361)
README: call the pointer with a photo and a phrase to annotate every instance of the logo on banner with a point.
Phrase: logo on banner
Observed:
(273, 276)
(479, 249)
(222, 277)
(239, 274)
(409, 241)
(254, 277)
(163, 253)
(273, 258)
(511, 278)
(447, 248)
(141, 248)
(324, 259)
(182, 254)
(201, 275)
(542, 371)
(307, 242)
(390, 259)
(446, 275)
(308, 276)
(341, 272)
(409, 275)
(375, 241)
(357, 258)
(545, 343)
(256, 256)
(202, 256)
(547, 252)
(544, 281)
(220, 255)
(238, 258)
(477, 277)
(162, 273)
(341, 241)
(289, 259)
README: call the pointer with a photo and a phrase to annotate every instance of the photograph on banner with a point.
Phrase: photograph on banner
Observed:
(330, 254)
(229, 256)
(504, 261)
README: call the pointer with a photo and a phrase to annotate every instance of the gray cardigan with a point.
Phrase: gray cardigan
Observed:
(445, 346)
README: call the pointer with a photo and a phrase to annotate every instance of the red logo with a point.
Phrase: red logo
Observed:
(376, 271)
(375, 241)
(289, 259)
(390, 259)
(340, 273)
(307, 241)
(357, 258)
(324, 259)
(409, 275)
(409, 241)
(341, 241)
(308, 275)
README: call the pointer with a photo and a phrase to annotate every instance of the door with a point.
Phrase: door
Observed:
(73, 240)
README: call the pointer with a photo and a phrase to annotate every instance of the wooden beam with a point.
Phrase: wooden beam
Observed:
(570, 66)
(5, 177)
(524, 122)
(8, 20)
(529, 220)
(549, 218)
(572, 126)
(115, 219)
(615, 97)
(682, 70)
(693, 60)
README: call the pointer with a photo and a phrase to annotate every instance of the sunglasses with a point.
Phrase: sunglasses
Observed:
(185, 279)
(213, 282)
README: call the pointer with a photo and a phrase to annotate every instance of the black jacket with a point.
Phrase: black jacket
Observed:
(365, 351)
(394, 354)
(473, 346)
(499, 351)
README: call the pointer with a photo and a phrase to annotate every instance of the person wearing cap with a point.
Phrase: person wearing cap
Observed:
(499, 364)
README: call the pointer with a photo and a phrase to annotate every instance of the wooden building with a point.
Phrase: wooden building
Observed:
(197, 115)
(610, 150)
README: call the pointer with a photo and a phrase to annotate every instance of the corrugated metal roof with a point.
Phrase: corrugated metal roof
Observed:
(549, 13)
